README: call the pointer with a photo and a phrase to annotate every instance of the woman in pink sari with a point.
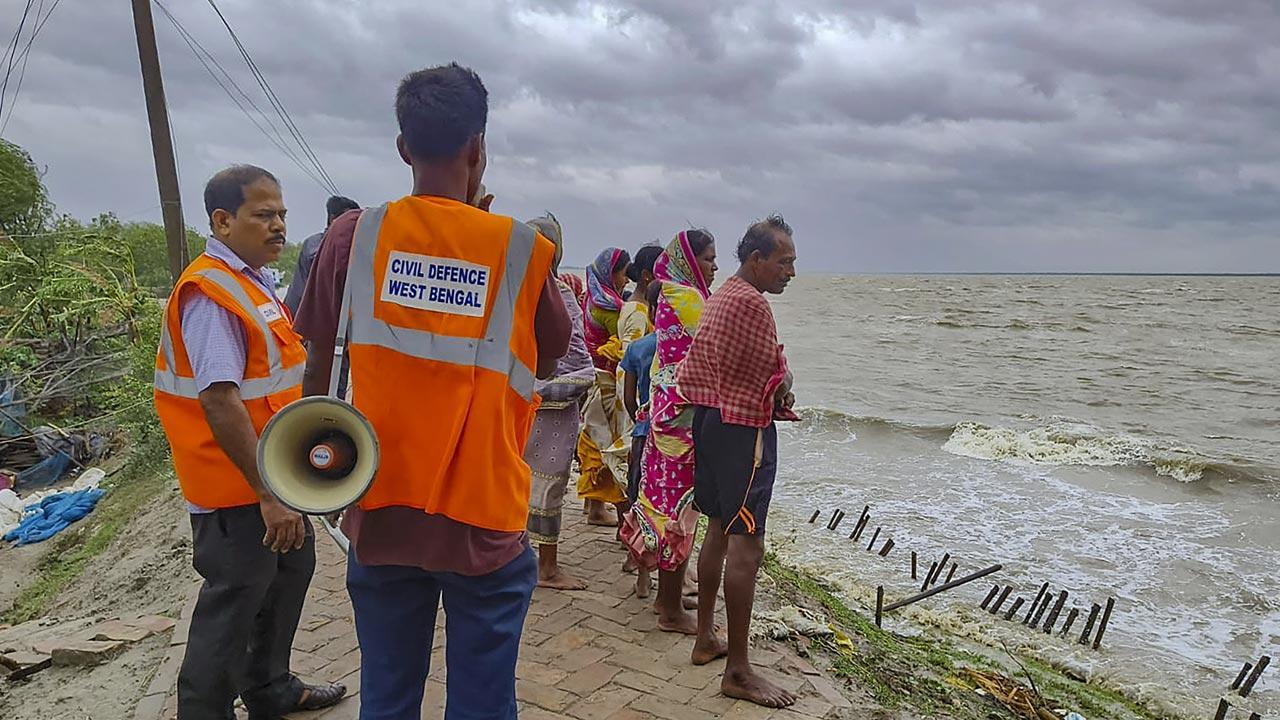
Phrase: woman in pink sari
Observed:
(660, 528)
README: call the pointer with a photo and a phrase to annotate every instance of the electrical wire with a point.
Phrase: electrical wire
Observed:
(204, 57)
(275, 100)
(26, 55)
(12, 53)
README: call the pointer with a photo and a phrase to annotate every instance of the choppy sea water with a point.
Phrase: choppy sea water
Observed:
(1114, 436)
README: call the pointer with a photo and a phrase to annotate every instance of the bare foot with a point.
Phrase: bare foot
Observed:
(708, 650)
(688, 603)
(690, 587)
(602, 515)
(628, 565)
(643, 583)
(684, 623)
(561, 580)
(747, 685)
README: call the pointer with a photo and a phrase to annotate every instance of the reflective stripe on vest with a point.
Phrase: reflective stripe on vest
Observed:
(493, 352)
(278, 378)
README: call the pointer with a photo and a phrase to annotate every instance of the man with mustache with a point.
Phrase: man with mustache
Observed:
(228, 360)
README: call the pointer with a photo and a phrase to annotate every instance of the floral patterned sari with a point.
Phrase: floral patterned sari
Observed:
(660, 528)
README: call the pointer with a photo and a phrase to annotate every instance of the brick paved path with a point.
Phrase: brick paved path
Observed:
(593, 655)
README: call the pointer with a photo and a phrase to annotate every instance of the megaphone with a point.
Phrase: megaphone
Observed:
(318, 455)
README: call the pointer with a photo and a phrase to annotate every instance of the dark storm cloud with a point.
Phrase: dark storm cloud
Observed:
(895, 135)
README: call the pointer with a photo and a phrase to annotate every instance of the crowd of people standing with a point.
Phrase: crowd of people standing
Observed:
(637, 446)
(485, 383)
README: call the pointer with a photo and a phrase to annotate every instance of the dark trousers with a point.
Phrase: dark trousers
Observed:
(395, 609)
(245, 617)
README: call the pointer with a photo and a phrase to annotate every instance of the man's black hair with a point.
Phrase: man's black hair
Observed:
(439, 109)
(225, 190)
(699, 240)
(337, 204)
(762, 237)
(644, 260)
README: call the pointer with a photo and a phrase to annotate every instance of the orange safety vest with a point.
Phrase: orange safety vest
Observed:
(442, 299)
(274, 361)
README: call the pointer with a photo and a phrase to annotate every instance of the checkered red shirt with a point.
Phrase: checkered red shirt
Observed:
(735, 363)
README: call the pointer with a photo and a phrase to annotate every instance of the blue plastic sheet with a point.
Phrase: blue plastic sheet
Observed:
(53, 515)
(12, 409)
(44, 473)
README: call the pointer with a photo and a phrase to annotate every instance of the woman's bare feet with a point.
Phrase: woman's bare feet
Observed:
(560, 580)
(690, 587)
(708, 649)
(644, 584)
(601, 515)
(749, 686)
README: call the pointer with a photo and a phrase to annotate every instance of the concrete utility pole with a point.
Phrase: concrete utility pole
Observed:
(161, 140)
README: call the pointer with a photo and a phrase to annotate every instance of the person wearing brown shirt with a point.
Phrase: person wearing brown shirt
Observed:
(405, 561)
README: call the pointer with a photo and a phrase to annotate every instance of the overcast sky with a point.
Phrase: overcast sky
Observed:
(939, 135)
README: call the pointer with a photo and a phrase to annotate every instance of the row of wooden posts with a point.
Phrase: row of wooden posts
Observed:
(1038, 611)
(1243, 685)
(995, 601)
(928, 588)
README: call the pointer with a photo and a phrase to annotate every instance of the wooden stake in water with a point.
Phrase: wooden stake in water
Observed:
(888, 545)
(943, 588)
(1253, 677)
(862, 526)
(1017, 605)
(874, 536)
(1043, 589)
(814, 518)
(1071, 620)
(1088, 625)
(952, 574)
(1040, 611)
(879, 604)
(1244, 672)
(865, 516)
(1053, 615)
(1102, 626)
(928, 575)
(995, 590)
(1223, 707)
(913, 566)
(835, 519)
(1000, 601)
(946, 558)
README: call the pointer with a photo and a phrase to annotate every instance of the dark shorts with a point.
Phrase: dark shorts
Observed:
(728, 482)
(634, 468)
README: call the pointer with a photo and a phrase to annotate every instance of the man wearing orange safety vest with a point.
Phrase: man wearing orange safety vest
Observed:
(450, 313)
(228, 360)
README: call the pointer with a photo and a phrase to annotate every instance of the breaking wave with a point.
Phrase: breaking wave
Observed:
(1055, 443)
(1066, 443)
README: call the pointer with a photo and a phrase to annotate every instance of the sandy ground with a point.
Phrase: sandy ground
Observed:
(17, 566)
(147, 570)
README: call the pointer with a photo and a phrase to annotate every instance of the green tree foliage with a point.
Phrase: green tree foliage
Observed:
(24, 204)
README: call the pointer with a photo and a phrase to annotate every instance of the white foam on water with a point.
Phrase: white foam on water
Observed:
(1068, 443)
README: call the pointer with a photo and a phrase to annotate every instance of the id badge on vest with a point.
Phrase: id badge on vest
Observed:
(443, 285)
(270, 312)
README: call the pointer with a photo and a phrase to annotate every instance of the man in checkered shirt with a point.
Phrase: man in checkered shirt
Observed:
(736, 377)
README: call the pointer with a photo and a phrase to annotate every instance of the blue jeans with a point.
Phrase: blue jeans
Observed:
(395, 609)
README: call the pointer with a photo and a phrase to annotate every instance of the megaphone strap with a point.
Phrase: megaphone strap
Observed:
(366, 232)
